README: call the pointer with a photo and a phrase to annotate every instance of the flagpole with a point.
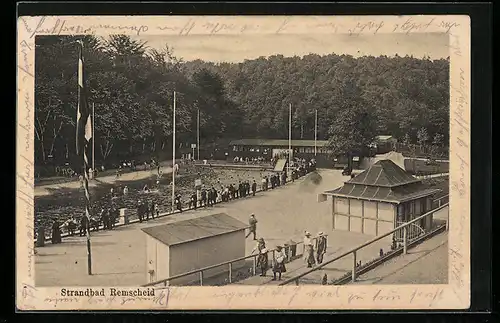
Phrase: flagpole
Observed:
(93, 139)
(289, 138)
(315, 131)
(82, 121)
(198, 134)
(173, 160)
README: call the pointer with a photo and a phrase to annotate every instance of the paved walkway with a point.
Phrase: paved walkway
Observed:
(340, 242)
(426, 263)
(119, 257)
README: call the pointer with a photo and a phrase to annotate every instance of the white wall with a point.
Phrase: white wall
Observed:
(157, 259)
(206, 252)
(386, 212)
(368, 217)
(370, 209)
(356, 208)
(341, 205)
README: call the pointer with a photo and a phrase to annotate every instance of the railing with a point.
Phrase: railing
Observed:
(356, 249)
(200, 272)
(134, 219)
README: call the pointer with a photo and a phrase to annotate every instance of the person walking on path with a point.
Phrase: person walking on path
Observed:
(308, 250)
(254, 187)
(321, 245)
(279, 263)
(253, 226)
(263, 261)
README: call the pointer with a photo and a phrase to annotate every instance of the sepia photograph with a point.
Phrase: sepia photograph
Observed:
(164, 160)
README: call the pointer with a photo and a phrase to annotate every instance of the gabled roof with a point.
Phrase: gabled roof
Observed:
(194, 229)
(384, 173)
(277, 142)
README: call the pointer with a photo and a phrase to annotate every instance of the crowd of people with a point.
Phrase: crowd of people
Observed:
(314, 251)
(106, 215)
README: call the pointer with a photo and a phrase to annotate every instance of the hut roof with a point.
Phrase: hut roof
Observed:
(384, 181)
(194, 229)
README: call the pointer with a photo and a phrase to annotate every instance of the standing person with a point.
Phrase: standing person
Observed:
(252, 226)
(214, 196)
(192, 201)
(264, 183)
(203, 197)
(210, 193)
(146, 209)
(263, 261)
(112, 217)
(56, 233)
(140, 209)
(254, 187)
(178, 203)
(83, 225)
(239, 191)
(283, 178)
(320, 247)
(102, 217)
(125, 190)
(248, 188)
(279, 262)
(152, 209)
(308, 250)
(261, 244)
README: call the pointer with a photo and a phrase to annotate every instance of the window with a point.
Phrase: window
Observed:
(301, 149)
(235, 148)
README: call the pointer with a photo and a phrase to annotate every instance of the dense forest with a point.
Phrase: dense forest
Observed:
(131, 87)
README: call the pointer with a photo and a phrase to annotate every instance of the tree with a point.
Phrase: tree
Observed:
(132, 86)
(352, 131)
(422, 137)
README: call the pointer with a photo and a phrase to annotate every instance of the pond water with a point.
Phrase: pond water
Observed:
(63, 203)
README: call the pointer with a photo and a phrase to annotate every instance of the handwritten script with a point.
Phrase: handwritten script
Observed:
(196, 25)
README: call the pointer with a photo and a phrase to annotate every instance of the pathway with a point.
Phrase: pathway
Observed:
(119, 257)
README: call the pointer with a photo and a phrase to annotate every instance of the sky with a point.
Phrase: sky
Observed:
(237, 48)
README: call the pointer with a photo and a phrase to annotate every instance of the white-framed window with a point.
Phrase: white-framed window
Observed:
(235, 148)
